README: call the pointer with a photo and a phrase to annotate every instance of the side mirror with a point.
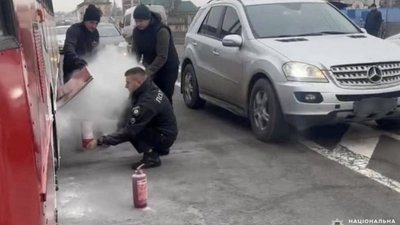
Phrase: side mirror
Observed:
(232, 40)
(364, 30)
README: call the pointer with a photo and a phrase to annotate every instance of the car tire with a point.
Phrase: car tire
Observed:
(388, 124)
(265, 113)
(190, 88)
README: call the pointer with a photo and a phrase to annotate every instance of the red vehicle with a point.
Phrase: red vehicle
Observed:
(29, 152)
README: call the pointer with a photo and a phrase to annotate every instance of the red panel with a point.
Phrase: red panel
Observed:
(19, 181)
(26, 155)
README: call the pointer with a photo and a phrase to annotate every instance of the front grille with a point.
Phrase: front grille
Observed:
(357, 76)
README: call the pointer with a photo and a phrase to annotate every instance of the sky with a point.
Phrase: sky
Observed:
(69, 5)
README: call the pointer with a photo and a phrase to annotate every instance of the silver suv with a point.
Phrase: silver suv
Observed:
(287, 62)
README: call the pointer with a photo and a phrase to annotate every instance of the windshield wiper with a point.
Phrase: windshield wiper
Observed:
(309, 34)
(282, 36)
(322, 33)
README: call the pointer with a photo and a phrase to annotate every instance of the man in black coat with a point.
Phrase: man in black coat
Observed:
(153, 41)
(374, 21)
(151, 126)
(80, 41)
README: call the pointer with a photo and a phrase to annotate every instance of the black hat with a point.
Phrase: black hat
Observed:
(92, 14)
(142, 12)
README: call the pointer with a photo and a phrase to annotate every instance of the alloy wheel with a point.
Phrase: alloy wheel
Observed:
(260, 110)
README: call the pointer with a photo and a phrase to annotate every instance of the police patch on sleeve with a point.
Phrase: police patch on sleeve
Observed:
(136, 111)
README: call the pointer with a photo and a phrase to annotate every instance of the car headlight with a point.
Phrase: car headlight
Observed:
(295, 71)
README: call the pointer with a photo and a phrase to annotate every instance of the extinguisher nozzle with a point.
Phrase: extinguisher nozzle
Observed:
(140, 166)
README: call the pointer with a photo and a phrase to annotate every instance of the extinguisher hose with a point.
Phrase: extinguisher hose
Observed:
(140, 167)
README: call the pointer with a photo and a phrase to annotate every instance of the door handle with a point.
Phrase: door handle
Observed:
(215, 52)
(194, 43)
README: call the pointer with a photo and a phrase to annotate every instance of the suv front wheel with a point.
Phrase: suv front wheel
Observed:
(265, 113)
(190, 88)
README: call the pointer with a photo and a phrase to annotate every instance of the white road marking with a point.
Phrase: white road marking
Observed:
(365, 147)
(361, 139)
(353, 161)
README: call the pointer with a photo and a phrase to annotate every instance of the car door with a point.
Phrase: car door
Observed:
(229, 60)
(206, 41)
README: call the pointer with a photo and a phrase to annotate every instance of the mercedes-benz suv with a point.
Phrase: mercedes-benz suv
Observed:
(287, 62)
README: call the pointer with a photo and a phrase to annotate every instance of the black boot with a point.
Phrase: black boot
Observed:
(163, 151)
(150, 159)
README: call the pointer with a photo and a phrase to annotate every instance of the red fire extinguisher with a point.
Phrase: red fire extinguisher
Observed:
(139, 188)
(87, 133)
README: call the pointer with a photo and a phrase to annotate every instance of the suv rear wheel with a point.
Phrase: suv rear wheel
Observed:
(265, 113)
(190, 88)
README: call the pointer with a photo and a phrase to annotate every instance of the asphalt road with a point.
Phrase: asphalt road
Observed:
(218, 173)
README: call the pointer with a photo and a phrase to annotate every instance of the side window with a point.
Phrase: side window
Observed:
(231, 24)
(7, 18)
(212, 21)
(2, 27)
(7, 26)
(195, 18)
(127, 20)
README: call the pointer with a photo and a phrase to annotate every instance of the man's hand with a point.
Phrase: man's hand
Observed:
(80, 63)
(92, 145)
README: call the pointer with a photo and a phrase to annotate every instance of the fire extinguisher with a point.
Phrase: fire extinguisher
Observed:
(87, 133)
(139, 188)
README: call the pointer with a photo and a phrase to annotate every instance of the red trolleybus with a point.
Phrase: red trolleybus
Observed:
(29, 153)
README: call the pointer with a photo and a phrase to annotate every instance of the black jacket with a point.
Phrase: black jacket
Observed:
(373, 22)
(79, 42)
(149, 108)
(156, 45)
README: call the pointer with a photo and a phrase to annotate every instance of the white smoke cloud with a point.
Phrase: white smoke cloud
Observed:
(101, 101)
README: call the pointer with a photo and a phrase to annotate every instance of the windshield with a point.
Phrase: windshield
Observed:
(107, 31)
(297, 19)
(61, 30)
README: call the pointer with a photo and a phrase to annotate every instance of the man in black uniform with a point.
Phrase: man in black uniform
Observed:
(81, 40)
(153, 41)
(151, 126)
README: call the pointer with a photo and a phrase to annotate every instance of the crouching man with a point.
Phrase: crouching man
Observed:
(151, 126)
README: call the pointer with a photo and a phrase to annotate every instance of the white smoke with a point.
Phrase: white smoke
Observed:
(102, 100)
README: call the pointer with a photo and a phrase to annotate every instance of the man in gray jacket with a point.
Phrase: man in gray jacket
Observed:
(152, 41)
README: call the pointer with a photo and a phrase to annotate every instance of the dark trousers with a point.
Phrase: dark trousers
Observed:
(68, 70)
(165, 80)
(150, 138)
